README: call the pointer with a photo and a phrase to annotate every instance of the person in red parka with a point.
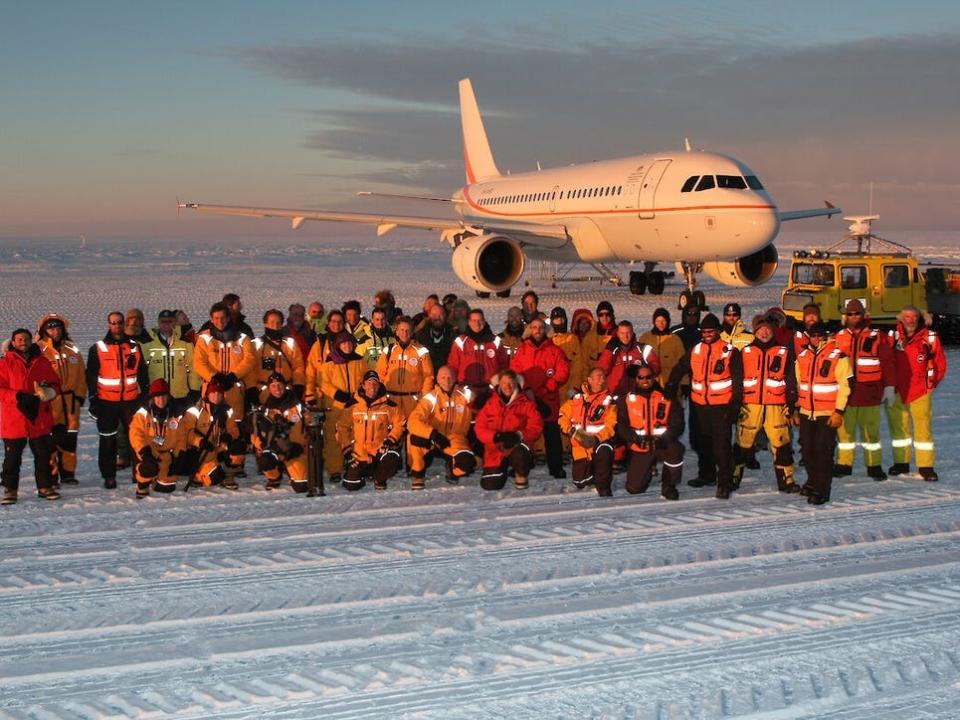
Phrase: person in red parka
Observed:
(28, 383)
(476, 356)
(545, 369)
(623, 351)
(508, 425)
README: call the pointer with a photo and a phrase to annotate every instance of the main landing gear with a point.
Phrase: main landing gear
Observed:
(500, 293)
(647, 279)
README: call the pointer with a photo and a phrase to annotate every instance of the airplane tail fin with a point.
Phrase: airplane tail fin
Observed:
(477, 158)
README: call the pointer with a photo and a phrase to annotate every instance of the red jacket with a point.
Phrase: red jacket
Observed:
(476, 358)
(617, 357)
(920, 360)
(18, 374)
(545, 369)
(520, 414)
(871, 359)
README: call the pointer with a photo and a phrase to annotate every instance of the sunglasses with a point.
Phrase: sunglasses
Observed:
(644, 377)
(854, 313)
(605, 314)
(115, 322)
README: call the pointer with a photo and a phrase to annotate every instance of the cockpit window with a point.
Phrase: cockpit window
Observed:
(753, 183)
(731, 182)
(688, 185)
(706, 183)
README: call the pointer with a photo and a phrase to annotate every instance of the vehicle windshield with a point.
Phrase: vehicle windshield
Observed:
(813, 274)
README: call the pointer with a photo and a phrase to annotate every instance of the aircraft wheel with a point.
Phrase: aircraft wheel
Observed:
(656, 283)
(504, 293)
(684, 299)
(699, 299)
(482, 294)
(638, 282)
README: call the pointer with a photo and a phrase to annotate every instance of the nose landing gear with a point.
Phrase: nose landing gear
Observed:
(691, 296)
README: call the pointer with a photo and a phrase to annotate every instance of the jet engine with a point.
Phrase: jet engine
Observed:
(754, 269)
(488, 263)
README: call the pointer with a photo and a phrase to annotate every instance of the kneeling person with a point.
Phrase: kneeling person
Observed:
(370, 432)
(278, 435)
(155, 438)
(649, 423)
(508, 425)
(589, 418)
(211, 436)
(439, 425)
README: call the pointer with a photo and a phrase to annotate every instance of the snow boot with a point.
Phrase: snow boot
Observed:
(520, 482)
(876, 472)
(842, 470)
(929, 474)
(806, 490)
(110, 483)
(230, 483)
(418, 483)
(815, 499)
(785, 480)
(48, 494)
(723, 492)
(669, 493)
(68, 478)
(737, 477)
(898, 469)
(701, 482)
(379, 484)
(9, 497)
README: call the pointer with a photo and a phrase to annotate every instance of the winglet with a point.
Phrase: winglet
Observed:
(477, 158)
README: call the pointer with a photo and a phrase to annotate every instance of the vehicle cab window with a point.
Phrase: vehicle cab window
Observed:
(813, 274)
(896, 276)
(853, 277)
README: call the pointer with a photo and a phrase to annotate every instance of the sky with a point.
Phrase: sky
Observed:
(111, 110)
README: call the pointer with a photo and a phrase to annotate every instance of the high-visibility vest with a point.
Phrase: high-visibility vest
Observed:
(817, 384)
(863, 348)
(649, 415)
(711, 382)
(764, 374)
(117, 377)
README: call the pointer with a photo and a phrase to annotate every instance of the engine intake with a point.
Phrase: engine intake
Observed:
(754, 269)
(488, 263)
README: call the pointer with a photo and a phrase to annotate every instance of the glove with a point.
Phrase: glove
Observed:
(795, 418)
(439, 439)
(644, 442)
(585, 439)
(889, 395)
(835, 420)
(350, 460)
(294, 451)
(44, 392)
(670, 390)
(29, 405)
(661, 442)
(148, 468)
(510, 440)
(342, 396)
(205, 445)
(231, 379)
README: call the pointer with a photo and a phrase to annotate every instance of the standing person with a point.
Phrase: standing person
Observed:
(317, 317)
(569, 343)
(381, 338)
(385, 300)
(274, 352)
(223, 349)
(595, 342)
(589, 419)
(116, 378)
(716, 392)
(649, 423)
(458, 316)
(920, 366)
(299, 329)
(823, 389)
(437, 336)
(421, 319)
(340, 376)
(801, 338)
(622, 352)
(769, 402)
(508, 425)
(530, 306)
(439, 425)
(405, 369)
(169, 357)
(28, 384)
(476, 356)
(213, 449)
(278, 436)
(318, 355)
(133, 326)
(689, 333)
(156, 441)
(733, 330)
(512, 336)
(545, 370)
(875, 378)
(354, 322)
(67, 361)
(370, 432)
(237, 320)
(667, 346)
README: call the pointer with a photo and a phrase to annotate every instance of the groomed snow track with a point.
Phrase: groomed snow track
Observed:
(452, 603)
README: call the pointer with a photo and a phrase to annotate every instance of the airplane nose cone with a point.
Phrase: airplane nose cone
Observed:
(757, 230)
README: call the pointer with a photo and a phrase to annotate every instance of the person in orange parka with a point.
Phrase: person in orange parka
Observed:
(508, 425)
(589, 418)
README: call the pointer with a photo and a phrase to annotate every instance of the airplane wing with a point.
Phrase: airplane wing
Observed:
(529, 233)
(827, 211)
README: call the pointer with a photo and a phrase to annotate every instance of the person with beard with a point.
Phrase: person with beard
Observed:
(274, 352)
(170, 357)
(133, 326)
(212, 447)
(512, 336)
(381, 338)
(622, 352)
(458, 316)
(649, 423)
(476, 356)
(317, 318)
(569, 343)
(318, 355)
(733, 330)
(920, 366)
(530, 305)
(370, 433)
(28, 384)
(545, 369)
(299, 329)
(874, 384)
(589, 419)
(278, 436)
(340, 376)
(156, 440)
(595, 342)
(116, 377)
(508, 425)
(67, 361)
(385, 301)
(439, 425)
(237, 320)
(421, 319)
(668, 347)
(801, 338)
(437, 336)
(716, 392)
(769, 401)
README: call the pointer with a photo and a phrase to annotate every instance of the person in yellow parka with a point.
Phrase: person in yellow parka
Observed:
(669, 347)
(567, 340)
(213, 448)
(405, 368)
(278, 436)
(67, 362)
(222, 349)
(439, 425)
(318, 355)
(156, 439)
(370, 432)
(169, 356)
(274, 352)
(340, 376)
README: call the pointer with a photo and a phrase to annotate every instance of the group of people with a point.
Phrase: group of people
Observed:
(396, 392)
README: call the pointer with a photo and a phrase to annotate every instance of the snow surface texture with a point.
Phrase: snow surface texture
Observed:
(455, 603)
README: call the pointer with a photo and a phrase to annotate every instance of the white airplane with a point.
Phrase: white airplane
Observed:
(704, 211)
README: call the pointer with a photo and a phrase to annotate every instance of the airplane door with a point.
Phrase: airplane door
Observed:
(553, 197)
(648, 188)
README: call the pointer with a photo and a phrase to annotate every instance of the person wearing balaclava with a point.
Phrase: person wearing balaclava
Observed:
(275, 352)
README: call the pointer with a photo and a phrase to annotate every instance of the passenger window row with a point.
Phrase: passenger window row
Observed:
(542, 196)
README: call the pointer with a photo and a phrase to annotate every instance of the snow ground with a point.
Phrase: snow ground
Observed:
(454, 603)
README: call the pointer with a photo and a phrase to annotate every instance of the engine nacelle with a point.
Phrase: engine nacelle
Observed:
(488, 263)
(747, 271)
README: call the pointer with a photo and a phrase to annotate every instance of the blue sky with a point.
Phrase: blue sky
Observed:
(110, 110)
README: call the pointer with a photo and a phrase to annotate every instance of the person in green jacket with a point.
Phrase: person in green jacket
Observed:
(170, 357)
